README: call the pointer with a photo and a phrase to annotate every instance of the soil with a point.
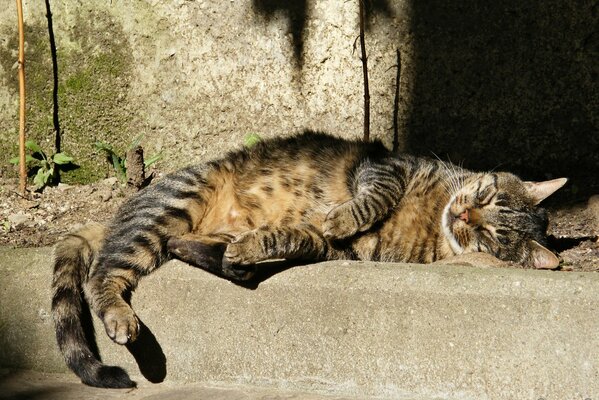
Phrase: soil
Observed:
(40, 219)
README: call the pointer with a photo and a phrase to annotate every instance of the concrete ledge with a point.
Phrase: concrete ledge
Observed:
(352, 329)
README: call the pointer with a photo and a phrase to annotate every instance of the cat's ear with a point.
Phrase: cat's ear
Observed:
(539, 191)
(541, 257)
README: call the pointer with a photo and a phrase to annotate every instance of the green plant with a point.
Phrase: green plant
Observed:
(251, 139)
(119, 163)
(47, 167)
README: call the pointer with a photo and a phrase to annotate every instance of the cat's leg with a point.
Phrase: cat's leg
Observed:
(199, 250)
(206, 252)
(303, 241)
(136, 245)
(377, 188)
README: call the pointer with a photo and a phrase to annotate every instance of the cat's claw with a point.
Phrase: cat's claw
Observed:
(121, 324)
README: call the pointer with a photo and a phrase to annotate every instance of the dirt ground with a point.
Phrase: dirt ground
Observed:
(41, 219)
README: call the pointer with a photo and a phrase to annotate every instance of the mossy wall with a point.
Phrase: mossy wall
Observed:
(510, 85)
(93, 74)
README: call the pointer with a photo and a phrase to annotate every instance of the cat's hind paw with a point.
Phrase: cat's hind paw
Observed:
(238, 272)
(121, 324)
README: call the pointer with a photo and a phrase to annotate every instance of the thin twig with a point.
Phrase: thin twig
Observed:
(396, 105)
(365, 72)
(22, 167)
(20, 195)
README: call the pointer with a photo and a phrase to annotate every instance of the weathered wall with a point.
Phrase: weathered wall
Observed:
(194, 77)
(512, 84)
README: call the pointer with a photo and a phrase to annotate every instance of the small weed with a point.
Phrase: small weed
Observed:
(251, 139)
(119, 162)
(47, 167)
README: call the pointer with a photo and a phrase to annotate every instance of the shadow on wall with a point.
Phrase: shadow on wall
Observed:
(510, 85)
(296, 12)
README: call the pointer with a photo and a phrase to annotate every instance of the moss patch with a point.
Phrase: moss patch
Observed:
(94, 70)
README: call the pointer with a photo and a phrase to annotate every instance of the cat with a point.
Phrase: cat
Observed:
(310, 196)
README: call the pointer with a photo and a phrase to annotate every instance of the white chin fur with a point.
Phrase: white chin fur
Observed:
(453, 243)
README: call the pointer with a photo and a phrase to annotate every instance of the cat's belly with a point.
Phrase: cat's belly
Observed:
(227, 215)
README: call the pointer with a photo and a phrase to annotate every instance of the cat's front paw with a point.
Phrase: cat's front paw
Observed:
(121, 324)
(340, 223)
(241, 255)
(245, 249)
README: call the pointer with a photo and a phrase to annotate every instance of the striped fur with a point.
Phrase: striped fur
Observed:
(310, 196)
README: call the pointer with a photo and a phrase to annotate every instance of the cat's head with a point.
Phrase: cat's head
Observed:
(497, 213)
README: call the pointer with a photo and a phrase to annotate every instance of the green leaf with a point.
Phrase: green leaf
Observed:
(119, 166)
(61, 159)
(153, 159)
(104, 146)
(41, 178)
(135, 142)
(251, 139)
(28, 159)
(34, 147)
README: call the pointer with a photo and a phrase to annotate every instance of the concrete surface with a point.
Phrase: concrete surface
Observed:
(345, 329)
(33, 385)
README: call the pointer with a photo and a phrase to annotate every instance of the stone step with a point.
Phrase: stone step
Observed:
(338, 328)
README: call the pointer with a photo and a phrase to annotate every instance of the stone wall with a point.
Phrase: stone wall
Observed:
(510, 84)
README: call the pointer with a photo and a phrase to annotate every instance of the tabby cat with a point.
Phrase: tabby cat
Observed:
(310, 196)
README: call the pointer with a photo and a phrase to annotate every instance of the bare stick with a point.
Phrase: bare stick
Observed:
(396, 105)
(365, 71)
(136, 174)
(22, 168)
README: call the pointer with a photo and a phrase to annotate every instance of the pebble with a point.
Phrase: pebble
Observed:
(593, 207)
(105, 195)
(110, 182)
(18, 219)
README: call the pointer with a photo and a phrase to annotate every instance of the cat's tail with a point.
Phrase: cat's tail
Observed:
(74, 256)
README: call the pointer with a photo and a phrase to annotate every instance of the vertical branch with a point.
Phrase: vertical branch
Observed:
(22, 168)
(396, 105)
(365, 72)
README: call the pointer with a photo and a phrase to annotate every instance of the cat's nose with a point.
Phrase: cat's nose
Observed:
(465, 216)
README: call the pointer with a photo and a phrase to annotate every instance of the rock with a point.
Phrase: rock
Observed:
(593, 208)
(18, 219)
(28, 204)
(105, 195)
(110, 182)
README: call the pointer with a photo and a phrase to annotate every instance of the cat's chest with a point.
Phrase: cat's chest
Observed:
(409, 234)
